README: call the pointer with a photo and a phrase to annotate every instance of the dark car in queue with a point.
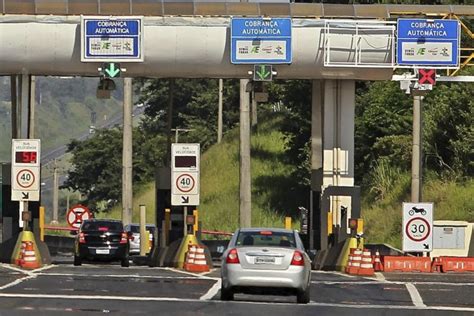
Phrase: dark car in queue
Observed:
(101, 240)
(266, 260)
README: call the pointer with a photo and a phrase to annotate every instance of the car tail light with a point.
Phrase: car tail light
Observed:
(298, 259)
(82, 238)
(124, 238)
(232, 257)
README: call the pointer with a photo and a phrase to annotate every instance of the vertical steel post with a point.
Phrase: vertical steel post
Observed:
(416, 162)
(127, 193)
(143, 234)
(55, 194)
(219, 112)
(245, 175)
(14, 105)
(31, 127)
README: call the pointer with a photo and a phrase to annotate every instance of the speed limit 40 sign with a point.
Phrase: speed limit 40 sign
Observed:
(417, 227)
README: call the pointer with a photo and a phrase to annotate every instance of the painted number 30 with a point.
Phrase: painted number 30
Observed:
(418, 228)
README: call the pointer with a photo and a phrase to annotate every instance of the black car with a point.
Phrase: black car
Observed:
(101, 239)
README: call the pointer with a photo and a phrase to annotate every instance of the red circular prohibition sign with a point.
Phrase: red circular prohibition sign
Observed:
(29, 172)
(427, 227)
(192, 179)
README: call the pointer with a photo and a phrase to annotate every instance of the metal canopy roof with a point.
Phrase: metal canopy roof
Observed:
(225, 8)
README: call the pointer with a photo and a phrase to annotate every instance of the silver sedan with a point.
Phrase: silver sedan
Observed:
(269, 260)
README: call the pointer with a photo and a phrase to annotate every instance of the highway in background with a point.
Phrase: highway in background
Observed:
(91, 289)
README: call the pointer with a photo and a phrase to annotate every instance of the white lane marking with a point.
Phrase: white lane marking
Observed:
(13, 268)
(18, 281)
(212, 291)
(193, 274)
(375, 282)
(415, 295)
(334, 272)
(380, 277)
(171, 299)
(131, 276)
(46, 267)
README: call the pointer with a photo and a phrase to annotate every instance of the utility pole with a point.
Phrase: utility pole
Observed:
(254, 109)
(55, 193)
(245, 176)
(219, 113)
(127, 193)
(416, 160)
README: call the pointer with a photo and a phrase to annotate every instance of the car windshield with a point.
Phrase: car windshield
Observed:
(266, 238)
(102, 226)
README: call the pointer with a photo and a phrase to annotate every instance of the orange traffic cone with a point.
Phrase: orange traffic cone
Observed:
(196, 259)
(366, 266)
(378, 266)
(30, 261)
(354, 261)
(21, 254)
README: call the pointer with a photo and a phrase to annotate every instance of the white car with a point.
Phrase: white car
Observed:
(268, 260)
(134, 232)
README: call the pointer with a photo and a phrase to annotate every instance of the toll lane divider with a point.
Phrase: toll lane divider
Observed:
(427, 265)
(406, 264)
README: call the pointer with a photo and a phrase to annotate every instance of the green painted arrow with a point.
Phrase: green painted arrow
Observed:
(263, 73)
(112, 71)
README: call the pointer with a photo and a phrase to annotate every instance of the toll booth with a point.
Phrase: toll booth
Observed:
(10, 215)
(169, 238)
(325, 238)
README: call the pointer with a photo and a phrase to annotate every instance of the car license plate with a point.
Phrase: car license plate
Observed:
(264, 260)
(102, 251)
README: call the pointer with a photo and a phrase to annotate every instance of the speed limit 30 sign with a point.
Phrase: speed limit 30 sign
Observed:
(417, 227)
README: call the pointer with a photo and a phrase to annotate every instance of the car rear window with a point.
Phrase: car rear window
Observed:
(266, 238)
(136, 229)
(102, 226)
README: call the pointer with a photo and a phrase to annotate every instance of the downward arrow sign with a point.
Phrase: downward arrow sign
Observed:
(185, 199)
(263, 74)
(426, 246)
(112, 71)
(25, 195)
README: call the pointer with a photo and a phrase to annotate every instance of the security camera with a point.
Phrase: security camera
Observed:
(359, 235)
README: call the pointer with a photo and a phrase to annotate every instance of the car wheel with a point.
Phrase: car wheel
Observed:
(302, 297)
(125, 262)
(77, 261)
(227, 294)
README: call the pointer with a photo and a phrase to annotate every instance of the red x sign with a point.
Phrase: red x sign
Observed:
(427, 76)
(77, 214)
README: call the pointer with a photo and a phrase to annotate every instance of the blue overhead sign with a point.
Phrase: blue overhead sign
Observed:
(261, 41)
(425, 42)
(112, 39)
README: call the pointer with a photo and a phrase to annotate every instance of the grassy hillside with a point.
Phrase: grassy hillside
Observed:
(452, 201)
(63, 111)
(274, 195)
(273, 192)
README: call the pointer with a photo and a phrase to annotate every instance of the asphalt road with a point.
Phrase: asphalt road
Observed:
(94, 289)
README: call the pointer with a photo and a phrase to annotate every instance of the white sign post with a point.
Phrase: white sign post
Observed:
(185, 160)
(25, 169)
(417, 227)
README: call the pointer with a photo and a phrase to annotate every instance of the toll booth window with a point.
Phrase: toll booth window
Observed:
(184, 161)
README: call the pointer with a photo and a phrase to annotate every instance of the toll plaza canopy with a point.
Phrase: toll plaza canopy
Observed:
(225, 8)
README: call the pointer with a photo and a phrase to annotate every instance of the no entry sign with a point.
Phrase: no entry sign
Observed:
(77, 214)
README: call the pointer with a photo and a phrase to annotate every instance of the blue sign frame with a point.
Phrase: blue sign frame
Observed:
(117, 39)
(265, 36)
(425, 42)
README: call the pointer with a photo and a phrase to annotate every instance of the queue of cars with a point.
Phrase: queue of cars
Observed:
(257, 260)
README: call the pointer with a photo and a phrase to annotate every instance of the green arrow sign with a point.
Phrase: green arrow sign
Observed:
(262, 73)
(111, 70)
